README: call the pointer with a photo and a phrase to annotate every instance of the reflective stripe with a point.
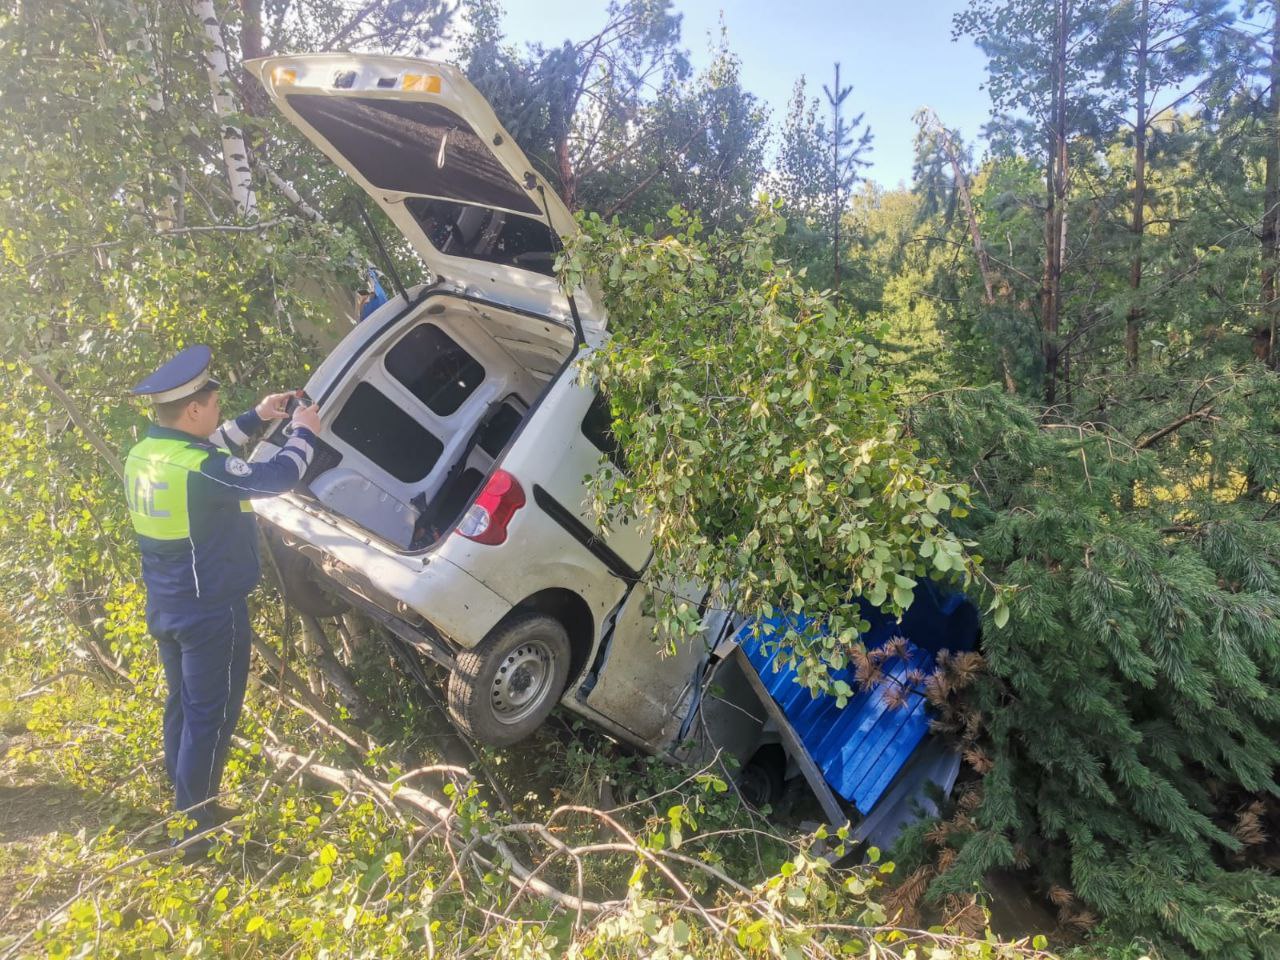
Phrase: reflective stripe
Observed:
(156, 474)
(195, 576)
(229, 433)
(299, 445)
(293, 454)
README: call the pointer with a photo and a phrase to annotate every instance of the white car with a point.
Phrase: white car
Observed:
(449, 497)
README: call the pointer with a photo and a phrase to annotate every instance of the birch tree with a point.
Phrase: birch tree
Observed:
(235, 155)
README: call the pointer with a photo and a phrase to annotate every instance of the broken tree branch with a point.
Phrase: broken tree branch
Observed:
(78, 416)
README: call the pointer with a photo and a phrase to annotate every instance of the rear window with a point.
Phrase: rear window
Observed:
(434, 368)
(597, 426)
(372, 424)
(413, 146)
(482, 233)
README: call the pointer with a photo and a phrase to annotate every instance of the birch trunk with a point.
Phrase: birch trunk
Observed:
(234, 153)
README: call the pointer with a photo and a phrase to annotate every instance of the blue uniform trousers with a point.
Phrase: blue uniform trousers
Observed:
(206, 664)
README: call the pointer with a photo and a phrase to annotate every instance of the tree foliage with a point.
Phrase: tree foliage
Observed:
(1049, 368)
(761, 435)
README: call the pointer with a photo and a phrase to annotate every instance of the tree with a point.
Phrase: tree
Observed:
(618, 121)
(935, 145)
(813, 175)
(844, 165)
(761, 436)
(234, 153)
(1042, 62)
(1156, 56)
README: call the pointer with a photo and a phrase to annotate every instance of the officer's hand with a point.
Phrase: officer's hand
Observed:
(307, 416)
(272, 406)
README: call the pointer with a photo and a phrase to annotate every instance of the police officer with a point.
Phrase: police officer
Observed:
(189, 499)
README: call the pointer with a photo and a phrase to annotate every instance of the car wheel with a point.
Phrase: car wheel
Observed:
(301, 591)
(502, 690)
(762, 781)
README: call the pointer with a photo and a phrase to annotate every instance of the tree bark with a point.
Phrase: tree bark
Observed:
(235, 154)
(252, 47)
(1133, 319)
(1271, 205)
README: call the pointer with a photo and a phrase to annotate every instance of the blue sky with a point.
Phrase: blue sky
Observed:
(899, 56)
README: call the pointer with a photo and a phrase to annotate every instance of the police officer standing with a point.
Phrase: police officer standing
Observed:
(189, 499)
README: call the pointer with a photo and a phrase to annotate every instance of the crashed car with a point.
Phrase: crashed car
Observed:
(448, 497)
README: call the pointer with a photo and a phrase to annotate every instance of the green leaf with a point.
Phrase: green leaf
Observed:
(1001, 615)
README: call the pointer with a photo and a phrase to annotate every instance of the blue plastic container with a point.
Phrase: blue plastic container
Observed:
(861, 747)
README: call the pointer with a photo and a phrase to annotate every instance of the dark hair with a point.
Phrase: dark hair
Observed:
(171, 410)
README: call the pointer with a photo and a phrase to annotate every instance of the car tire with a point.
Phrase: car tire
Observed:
(762, 781)
(301, 590)
(501, 690)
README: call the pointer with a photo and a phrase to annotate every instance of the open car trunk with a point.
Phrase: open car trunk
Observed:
(424, 412)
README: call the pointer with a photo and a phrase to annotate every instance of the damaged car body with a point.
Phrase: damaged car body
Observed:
(449, 496)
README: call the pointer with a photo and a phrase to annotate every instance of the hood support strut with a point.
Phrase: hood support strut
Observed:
(529, 181)
(382, 250)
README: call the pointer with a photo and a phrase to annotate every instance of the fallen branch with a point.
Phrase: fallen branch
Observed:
(306, 701)
(291, 194)
(50, 681)
(78, 416)
(362, 711)
(1203, 413)
(432, 811)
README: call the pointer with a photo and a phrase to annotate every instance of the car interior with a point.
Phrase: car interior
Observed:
(426, 414)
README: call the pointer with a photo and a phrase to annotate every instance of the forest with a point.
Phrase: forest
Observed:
(1044, 372)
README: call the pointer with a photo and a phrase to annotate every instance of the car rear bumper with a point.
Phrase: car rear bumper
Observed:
(458, 605)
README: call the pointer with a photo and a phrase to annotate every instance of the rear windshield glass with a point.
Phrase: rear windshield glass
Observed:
(372, 424)
(434, 368)
(396, 146)
(482, 233)
(597, 426)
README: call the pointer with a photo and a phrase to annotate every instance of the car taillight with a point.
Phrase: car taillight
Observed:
(487, 519)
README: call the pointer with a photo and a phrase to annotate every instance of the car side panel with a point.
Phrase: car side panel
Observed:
(552, 453)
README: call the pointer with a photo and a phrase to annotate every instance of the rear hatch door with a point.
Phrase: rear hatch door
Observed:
(427, 147)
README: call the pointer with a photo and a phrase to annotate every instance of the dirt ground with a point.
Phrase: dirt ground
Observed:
(34, 812)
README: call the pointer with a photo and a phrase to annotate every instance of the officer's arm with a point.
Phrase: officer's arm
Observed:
(234, 434)
(266, 478)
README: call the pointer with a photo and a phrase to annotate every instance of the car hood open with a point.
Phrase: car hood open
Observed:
(427, 147)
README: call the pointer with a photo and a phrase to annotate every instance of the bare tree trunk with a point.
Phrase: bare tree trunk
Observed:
(234, 153)
(1055, 213)
(1133, 320)
(961, 178)
(1271, 204)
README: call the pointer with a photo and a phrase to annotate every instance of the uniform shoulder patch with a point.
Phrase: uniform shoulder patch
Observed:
(237, 467)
